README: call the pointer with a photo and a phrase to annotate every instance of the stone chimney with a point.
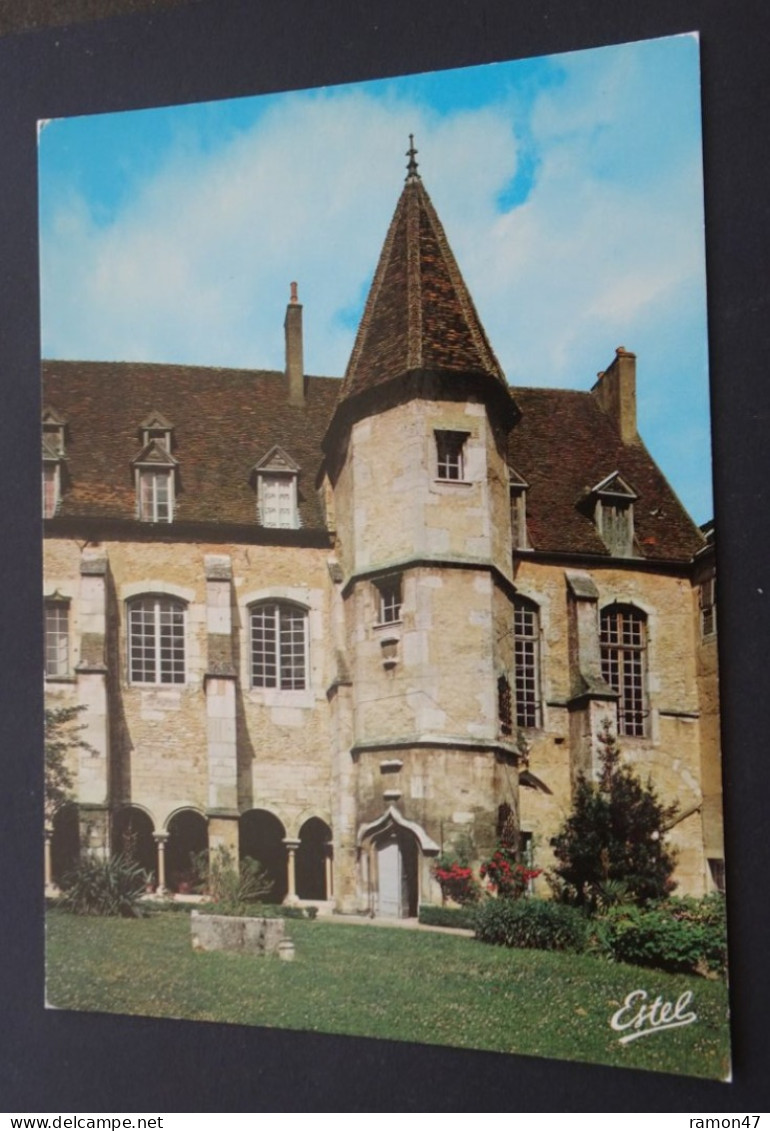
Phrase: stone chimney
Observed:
(295, 370)
(616, 393)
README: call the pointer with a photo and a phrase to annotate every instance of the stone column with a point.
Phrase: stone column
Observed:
(328, 870)
(592, 699)
(220, 685)
(291, 873)
(160, 840)
(48, 870)
(91, 675)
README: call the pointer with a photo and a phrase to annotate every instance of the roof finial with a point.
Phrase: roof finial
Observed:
(411, 169)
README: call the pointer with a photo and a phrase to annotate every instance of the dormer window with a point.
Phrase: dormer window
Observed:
(156, 495)
(614, 502)
(51, 484)
(450, 455)
(53, 431)
(53, 461)
(276, 475)
(155, 478)
(156, 427)
(519, 487)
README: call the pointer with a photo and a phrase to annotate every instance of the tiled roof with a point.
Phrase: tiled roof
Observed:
(563, 445)
(419, 314)
(225, 421)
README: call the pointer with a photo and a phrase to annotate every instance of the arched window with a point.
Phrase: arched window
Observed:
(279, 645)
(156, 640)
(526, 662)
(623, 637)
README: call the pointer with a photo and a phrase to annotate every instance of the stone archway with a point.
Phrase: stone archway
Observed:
(187, 838)
(132, 836)
(65, 841)
(261, 837)
(392, 848)
(311, 860)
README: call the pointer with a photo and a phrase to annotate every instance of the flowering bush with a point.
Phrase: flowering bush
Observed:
(457, 882)
(505, 875)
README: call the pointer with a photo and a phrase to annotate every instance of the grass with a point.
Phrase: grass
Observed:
(392, 983)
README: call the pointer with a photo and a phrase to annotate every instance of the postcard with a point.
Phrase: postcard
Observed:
(381, 679)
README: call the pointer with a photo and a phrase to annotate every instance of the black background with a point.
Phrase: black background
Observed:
(57, 1061)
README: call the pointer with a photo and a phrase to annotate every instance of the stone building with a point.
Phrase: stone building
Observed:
(339, 625)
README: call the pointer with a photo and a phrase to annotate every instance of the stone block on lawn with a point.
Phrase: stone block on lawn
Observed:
(233, 932)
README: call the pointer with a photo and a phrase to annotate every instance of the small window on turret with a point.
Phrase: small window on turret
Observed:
(389, 599)
(450, 452)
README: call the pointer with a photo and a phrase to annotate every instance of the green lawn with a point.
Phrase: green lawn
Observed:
(439, 989)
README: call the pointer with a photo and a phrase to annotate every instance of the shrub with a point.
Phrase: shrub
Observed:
(98, 886)
(613, 840)
(459, 917)
(535, 923)
(678, 935)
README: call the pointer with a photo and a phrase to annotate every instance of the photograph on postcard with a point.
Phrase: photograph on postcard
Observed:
(381, 690)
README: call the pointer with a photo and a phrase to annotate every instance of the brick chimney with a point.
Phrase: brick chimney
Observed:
(295, 370)
(616, 393)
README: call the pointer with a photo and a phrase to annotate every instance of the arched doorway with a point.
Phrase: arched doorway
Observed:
(187, 838)
(312, 854)
(261, 836)
(65, 841)
(132, 831)
(392, 852)
(396, 853)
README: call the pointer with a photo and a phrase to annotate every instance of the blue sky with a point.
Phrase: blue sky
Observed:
(570, 188)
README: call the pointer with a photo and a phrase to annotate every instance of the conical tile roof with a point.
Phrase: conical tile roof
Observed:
(419, 314)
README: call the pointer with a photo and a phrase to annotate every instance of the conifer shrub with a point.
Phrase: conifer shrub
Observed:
(104, 886)
(535, 923)
(613, 841)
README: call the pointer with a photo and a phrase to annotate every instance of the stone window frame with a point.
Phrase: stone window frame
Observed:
(153, 476)
(51, 481)
(278, 479)
(624, 650)
(157, 427)
(527, 674)
(169, 671)
(277, 467)
(614, 514)
(57, 649)
(390, 599)
(450, 455)
(295, 682)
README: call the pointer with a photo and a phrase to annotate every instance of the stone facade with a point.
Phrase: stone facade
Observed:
(385, 662)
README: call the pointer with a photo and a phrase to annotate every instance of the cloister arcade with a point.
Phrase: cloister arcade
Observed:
(300, 868)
